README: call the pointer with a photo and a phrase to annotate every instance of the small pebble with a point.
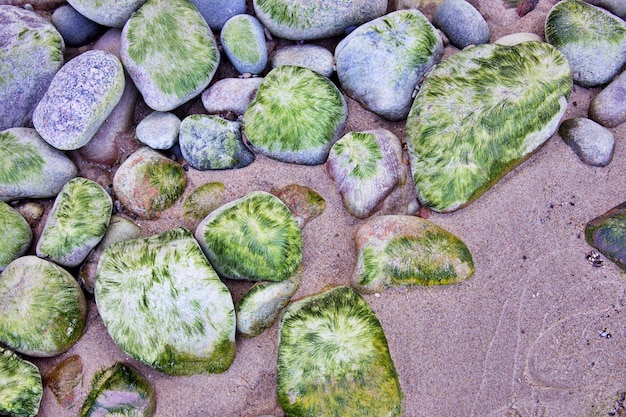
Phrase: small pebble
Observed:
(593, 143)
(217, 12)
(314, 57)
(244, 44)
(609, 107)
(462, 23)
(159, 130)
(75, 28)
(230, 95)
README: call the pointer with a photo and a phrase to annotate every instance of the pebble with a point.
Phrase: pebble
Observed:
(607, 234)
(437, 257)
(515, 38)
(462, 23)
(32, 52)
(203, 200)
(147, 183)
(230, 95)
(210, 142)
(591, 142)
(315, 19)
(243, 40)
(90, 85)
(29, 167)
(75, 28)
(609, 107)
(366, 167)
(170, 60)
(380, 63)
(22, 385)
(65, 380)
(159, 130)
(305, 203)
(617, 7)
(107, 13)
(16, 235)
(313, 57)
(217, 12)
(579, 31)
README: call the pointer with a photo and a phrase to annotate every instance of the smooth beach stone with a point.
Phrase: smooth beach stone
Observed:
(203, 200)
(592, 143)
(75, 28)
(119, 390)
(243, 40)
(398, 251)
(261, 305)
(78, 221)
(366, 167)
(21, 387)
(148, 183)
(607, 233)
(609, 107)
(617, 7)
(592, 39)
(113, 13)
(296, 116)
(110, 41)
(315, 19)
(479, 114)
(462, 23)
(230, 95)
(43, 310)
(333, 359)
(169, 52)
(65, 380)
(304, 202)
(29, 167)
(16, 235)
(515, 38)
(210, 142)
(217, 12)
(313, 57)
(253, 238)
(380, 63)
(31, 52)
(159, 130)
(165, 306)
(80, 98)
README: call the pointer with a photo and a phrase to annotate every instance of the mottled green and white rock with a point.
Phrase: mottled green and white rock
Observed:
(21, 387)
(243, 40)
(113, 13)
(593, 143)
(479, 114)
(333, 359)
(79, 99)
(366, 167)
(397, 250)
(255, 238)
(305, 203)
(230, 95)
(42, 310)
(261, 305)
(210, 142)
(313, 57)
(380, 63)
(78, 221)
(296, 116)
(16, 235)
(592, 39)
(607, 233)
(159, 130)
(148, 183)
(29, 167)
(169, 52)
(203, 200)
(165, 306)
(31, 52)
(119, 391)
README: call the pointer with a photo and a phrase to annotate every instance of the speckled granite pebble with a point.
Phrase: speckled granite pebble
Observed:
(462, 23)
(231, 95)
(159, 130)
(609, 107)
(314, 57)
(592, 143)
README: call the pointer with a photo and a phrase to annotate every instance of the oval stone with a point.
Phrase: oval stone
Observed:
(113, 13)
(462, 23)
(592, 143)
(609, 107)
(231, 95)
(243, 40)
(80, 98)
(16, 235)
(159, 130)
(314, 57)
(217, 12)
(607, 233)
(75, 28)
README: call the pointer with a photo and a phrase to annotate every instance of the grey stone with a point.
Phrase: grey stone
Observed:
(217, 12)
(16, 235)
(31, 52)
(80, 98)
(592, 143)
(617, 7)
(314, 57)
(75, 28)
(113, 13)
(462, 23)
(231, 95)
(159, 130)
(243, 40)
(609, 107)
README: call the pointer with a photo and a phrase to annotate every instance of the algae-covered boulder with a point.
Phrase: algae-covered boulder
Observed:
(16, 235)
(607, 233)
(479, 114)
(21, 387)
(333, 359)
(165, 306)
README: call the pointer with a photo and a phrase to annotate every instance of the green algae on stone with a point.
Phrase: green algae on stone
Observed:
(16, 235)
(21, 388)
(333, 359)
(169, 52)
(397, 250)
(607, 233)
(203, 200)
(243, 40)
(43, 311)
(78, 221)
(592, 39)
(253, 238)
(261, 305)
(119, 391)
(479, 114)
(296, 116)
(164, 305)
